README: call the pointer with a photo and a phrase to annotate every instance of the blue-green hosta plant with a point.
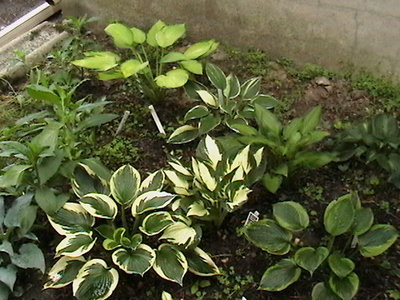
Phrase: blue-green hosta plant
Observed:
(214, 184)
(374, 141)
(350, 230)
(130, 218)
(287, 147)
(18, 248)
(229, 103)
(154, 62)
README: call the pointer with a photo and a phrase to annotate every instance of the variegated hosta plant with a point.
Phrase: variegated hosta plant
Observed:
(126, 218)
(350, 230)
(214, 184)
(230, 104)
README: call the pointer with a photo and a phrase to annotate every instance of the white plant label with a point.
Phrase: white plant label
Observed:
(122, 123)
(252, 217)
(156, 119)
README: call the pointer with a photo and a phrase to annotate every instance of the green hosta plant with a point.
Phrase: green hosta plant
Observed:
(214, 184)
(349, 227)
(374, 141)
(131, 219)
(232, 104)
(18, 250)
(154, 63)
(287, 147)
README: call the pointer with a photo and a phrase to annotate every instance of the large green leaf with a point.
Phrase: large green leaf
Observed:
(64, 271)
(200, 263)
(377, 240)
(13, 175)
(172, 79)
(291, 215)
(151, 35)
(99, 205)
(153, 182)
(269, 236)
(95, 281)
(121, 34)
(321, 291)
(137, 261)
(156, 222)
(346, 288)
(100, 61)
(267, 121)
(309, 258)
(272, 182)
(216, 76)
(43, 93)
(199, 49)
(124, 184)
(169, 34)
(48, 166)
(363, 220)
(95, 120)
(196, 112)
(180, 234)
(21, 214)
(75, 245)
(139, 37)
(250, 88)
(340, 265)
(132, 66)
(280, 276)
(170, 263)
(150, 201)
(208, 123)
(311, 120)
(29, 256)
(339, 215)
(193, 66)
(48, 201)
(8, 276)
(172, 57)
(183, 134)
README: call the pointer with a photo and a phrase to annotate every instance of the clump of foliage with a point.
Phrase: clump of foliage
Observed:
(349, 227)
(376, 140)
(102, 205)
(151, 55)
(215, 184)
(232, 104)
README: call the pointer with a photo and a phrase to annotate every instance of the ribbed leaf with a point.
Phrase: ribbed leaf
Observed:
(99, 205)
(280, 276)
(170, 263)
(200, 263)
(156, 222)
(64, 271)
(71, 218)
(137, 261)
(124, 184)
(291, 215)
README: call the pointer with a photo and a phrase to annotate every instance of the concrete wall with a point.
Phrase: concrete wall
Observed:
(331, 33)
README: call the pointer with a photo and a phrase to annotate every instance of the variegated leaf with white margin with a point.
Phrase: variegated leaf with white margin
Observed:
(64, 271)
(137, 261)
(206, 177)
(99, 205)
(150, 201)
(179, 233)
(200, 263)
(195, 168)
(212, 151)
(74, 245)
(176, 179)
(86, 181)
(95, 281)
(258, 156)
(178, 167)
(124, 184)
(208, 98)
(197, 209)
(71, 218)
(153, 182)
(238, 197)
(170, 264)
(156, 222)
(241, 159)
(239, 174)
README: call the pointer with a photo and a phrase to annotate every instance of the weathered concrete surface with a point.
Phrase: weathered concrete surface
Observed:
(365, 33)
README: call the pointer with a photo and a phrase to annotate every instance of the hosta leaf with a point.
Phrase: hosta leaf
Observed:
(198, 49)
(169, 34)
(95, 281)
(110, 75)
(75, 245)
(269, 236)
(340, 265)
(250, 88)
(197, 209)
(238, 197)
(71, 218)
(208, 123)
(173, 57)
(43, 93)
(153, 182)
(266, 101)
(138, 35)
(137, 261)
(180, 234)
(172, 79)
(216, 76)
(200, 263)
(267, 121)
(178, 167)
(280, 276)
(272, 182)
(170, 263)
(48, 167)
(212, 151)
(151, 35)
(13, 175)
(101, 61)
(132, 66)
(291, 215)
(29, 256)
(110, 244)
(99, 205)
(232, 89)
(183, 134)
(150, 201)
(377, 240)
(177, 179)
(196, 112)
(339, 216)
(8, 276)
(121, 34)
(64, 271)
(207, 178)
(363, 220)
(156, 222)
(208, 98)
(124, 184)
(311, 120)
(48, 201)
(345, 288)
(106, 231)
(193, 66)
(166, 296)
(310, 259)
(321, 291)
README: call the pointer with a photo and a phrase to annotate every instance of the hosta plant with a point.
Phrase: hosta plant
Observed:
(18, 248)
(287, 147)
(215, 184)
(374, 141)
(130, 219)
(230, 104)
(154, 62)
(350, 230)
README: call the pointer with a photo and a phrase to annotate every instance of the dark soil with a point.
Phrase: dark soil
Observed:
(11, 10)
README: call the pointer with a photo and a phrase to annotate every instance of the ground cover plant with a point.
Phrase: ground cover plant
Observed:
(217, 168)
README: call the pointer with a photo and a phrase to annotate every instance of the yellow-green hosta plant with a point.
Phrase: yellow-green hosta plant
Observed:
(350, 230)
(214, 184)
(132, 221)
(230, 103)
(153, 61)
